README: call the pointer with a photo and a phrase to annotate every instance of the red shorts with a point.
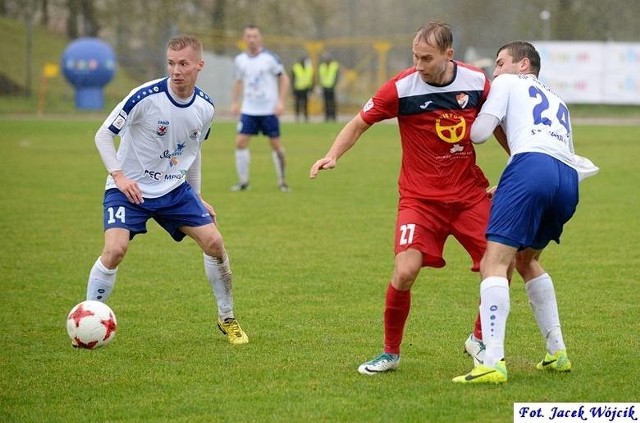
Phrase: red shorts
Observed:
(425, 225)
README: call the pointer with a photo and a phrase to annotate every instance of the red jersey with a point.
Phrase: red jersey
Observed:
(438, 158)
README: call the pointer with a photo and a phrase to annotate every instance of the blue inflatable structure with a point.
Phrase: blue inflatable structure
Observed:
(88, 64)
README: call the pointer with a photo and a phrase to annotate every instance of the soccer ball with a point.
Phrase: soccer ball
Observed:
(91, 324)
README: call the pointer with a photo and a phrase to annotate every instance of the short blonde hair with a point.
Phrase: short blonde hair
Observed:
(182, 41)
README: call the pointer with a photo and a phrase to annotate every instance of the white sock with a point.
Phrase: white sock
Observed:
(542, 298)
(218, 273)
(101, 282)
(243, 161)
(494, 310)
(279, 163)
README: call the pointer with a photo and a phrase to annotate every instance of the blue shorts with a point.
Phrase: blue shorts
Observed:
(252, 125)
(536, 196)
(180, 207)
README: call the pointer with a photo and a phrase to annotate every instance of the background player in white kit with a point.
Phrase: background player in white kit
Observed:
(156, 173)
(537, 194)
(261, 84)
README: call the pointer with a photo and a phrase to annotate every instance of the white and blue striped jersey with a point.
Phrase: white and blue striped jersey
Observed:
(259, 75)
(160, 135)
(533, 117)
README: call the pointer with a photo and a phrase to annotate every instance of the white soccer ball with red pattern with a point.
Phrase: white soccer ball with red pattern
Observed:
(91, 324)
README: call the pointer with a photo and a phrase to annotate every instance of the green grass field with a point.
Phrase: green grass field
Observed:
(310, 269)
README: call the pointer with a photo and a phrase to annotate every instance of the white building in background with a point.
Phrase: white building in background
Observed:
(216, 79)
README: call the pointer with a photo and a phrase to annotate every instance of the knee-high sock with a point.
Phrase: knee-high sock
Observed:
(218, 273)
(279, 163)
(243, 162)
(542, 298)
(396, 311)
(477, 327)
(101, 282)
(494, 310)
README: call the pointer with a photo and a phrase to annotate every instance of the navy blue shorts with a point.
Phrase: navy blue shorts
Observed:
(180, 207)
(252, 125)
(536, 196)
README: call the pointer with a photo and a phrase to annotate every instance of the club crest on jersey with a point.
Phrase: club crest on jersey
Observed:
(163, 127)
(193, 135)
(451, 127)
(462, 99)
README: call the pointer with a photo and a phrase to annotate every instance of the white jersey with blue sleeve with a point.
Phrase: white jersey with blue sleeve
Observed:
(160, 135)
(533, 117)
(259, 75)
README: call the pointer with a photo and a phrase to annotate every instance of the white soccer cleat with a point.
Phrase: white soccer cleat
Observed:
(474, 349)
(383, 363)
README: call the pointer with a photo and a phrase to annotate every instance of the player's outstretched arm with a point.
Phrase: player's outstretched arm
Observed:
(322, 164)
(346, 139)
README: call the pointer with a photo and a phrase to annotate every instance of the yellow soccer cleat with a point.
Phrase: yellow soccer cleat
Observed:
(485, 374)
(234, 332)
(558, 362)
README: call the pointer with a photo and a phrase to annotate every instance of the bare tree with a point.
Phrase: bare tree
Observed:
(72, 19)
(218, 21)
(44, 6)
(218, 14)
(81, 11)
(90, 27)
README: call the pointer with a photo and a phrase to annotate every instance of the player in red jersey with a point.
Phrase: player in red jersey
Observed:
(442, 190)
